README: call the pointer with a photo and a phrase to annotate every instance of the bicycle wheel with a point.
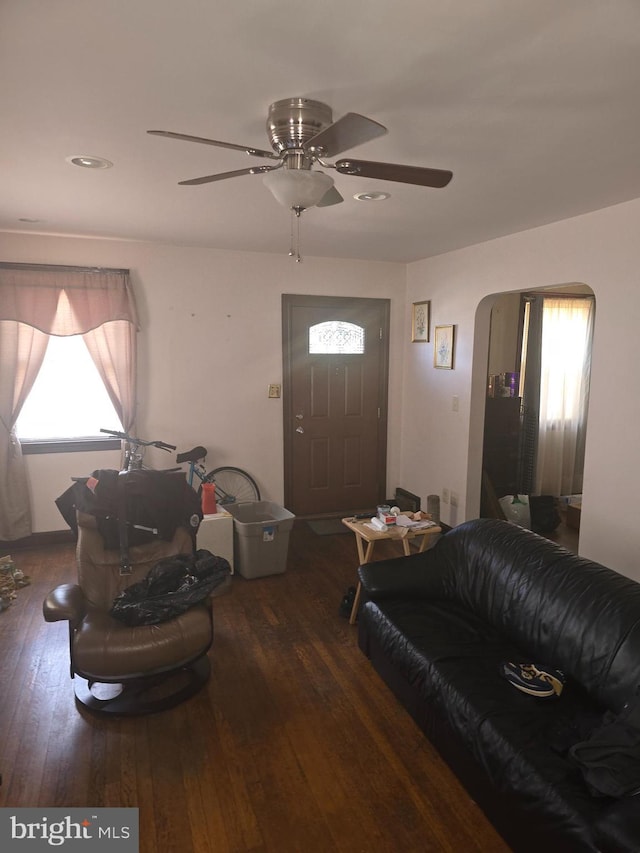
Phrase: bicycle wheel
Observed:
(233, 485)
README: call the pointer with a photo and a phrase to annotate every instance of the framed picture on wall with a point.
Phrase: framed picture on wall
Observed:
(420, 322)
(443, 342)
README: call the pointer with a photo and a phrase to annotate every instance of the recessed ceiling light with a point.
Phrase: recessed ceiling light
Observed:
(372, 196)
(86, 162)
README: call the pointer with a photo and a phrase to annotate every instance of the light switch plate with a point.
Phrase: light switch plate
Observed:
(274, 391)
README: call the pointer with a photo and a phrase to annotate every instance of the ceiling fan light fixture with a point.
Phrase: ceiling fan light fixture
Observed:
(297, 189)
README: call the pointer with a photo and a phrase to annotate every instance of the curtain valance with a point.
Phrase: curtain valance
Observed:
(61, 300)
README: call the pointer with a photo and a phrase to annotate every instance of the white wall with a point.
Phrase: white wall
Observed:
(211, 343)
(209, 346)
(443, 448)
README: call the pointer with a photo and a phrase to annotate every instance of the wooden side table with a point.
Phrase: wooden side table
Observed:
(367, 536)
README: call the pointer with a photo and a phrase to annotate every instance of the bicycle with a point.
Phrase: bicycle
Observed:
(233, 485)
(135, 449)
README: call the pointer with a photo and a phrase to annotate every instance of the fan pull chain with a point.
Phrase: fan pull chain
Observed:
(294, 250)
(291, 249)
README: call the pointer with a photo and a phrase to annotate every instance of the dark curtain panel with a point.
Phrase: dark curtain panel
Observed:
(531, 398)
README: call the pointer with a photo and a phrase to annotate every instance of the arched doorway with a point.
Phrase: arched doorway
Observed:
(536, 398)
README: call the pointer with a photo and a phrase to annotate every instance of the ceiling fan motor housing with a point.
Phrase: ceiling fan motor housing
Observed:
(292, 122)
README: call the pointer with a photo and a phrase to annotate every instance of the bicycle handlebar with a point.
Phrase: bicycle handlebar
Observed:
(161, 445)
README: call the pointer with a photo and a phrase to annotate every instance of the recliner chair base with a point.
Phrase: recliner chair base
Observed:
(143, 695)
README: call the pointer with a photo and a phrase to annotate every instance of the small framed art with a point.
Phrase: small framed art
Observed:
(420, 322)
(443, 342)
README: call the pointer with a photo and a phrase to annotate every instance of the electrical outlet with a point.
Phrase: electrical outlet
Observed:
(454, 499)
(445, 496)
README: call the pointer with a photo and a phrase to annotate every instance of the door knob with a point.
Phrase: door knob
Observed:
(300, 429)
(299, 416)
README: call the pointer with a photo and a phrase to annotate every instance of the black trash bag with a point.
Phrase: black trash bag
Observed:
(170, 588)
(545, 517)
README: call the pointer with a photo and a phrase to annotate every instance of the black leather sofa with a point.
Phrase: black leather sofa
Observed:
(437, 626)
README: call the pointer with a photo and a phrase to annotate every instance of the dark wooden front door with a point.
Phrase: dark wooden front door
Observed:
(335, 403)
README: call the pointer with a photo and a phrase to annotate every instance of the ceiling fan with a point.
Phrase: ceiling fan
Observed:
(302, 133)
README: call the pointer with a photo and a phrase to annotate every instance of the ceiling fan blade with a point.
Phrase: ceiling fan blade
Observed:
(391, 172)
(332, 196)
(350, 130)
(221, 176)
(254, 152)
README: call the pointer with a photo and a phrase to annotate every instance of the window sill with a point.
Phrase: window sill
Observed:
(31, 447)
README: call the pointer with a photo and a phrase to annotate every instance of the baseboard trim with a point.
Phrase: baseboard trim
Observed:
(37, 540)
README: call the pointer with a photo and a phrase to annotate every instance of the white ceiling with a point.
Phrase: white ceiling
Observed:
(534, 106)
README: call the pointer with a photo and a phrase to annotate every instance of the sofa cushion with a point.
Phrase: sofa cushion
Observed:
(572, 613)
(452, 657)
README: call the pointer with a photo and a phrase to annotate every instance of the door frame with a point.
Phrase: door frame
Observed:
(291, 301)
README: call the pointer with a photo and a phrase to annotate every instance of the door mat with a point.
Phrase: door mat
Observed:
(327, 526)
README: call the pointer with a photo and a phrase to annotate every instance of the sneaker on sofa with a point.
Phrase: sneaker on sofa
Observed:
(534, 679)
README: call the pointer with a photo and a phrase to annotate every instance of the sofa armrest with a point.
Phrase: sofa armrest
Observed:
(417, 575)
(65, 602)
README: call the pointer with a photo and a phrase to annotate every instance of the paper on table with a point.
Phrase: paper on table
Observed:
(405, 521)
(377, 525)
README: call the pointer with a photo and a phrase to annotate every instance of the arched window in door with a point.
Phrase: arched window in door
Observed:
(336, 337)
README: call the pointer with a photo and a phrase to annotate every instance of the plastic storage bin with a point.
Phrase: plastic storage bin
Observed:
(260, 537)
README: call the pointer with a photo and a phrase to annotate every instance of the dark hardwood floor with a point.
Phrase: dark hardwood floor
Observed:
(294, 746)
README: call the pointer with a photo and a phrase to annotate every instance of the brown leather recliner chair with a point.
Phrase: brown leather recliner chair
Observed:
(117, 668)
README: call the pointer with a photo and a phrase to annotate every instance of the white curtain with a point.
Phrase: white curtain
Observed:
(37, 301)
(113, 349)
(22, 350)
(567, 325)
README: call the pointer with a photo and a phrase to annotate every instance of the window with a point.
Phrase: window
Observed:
(68, 399)
(336, 337)
(68, 348)
(565, 350)
(38, 304)
(562, 336)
